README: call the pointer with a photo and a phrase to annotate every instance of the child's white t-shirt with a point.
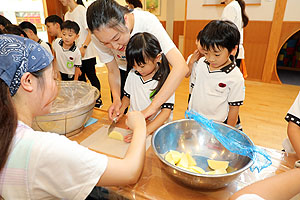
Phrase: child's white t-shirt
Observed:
(139, 91)
(144, 21)
(67, 59)
(45, 165)
(233, 13)
(214, 91)
(79, 16)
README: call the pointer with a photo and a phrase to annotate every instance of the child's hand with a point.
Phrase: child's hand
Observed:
(128, 138)
(196, 56)
(135, 119)
(77, 73)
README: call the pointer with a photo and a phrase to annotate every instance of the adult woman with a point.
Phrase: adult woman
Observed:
(39, 165)
(235, 11)
(112, 26)
(76, 13)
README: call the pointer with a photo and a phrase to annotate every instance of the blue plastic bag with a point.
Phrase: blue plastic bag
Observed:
(234, 142)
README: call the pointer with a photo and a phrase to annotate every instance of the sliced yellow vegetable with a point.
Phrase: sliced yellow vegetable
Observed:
(215, 164)
(191, 160)
(183, 161)
(116, 135)
(197, 169)
(220, 171)
(176, 156)
(169, 158)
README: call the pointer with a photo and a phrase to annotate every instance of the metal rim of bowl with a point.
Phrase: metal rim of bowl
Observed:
(194, 173)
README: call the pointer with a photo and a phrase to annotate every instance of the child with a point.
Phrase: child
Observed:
(40, 165)
(31, 32)
(292, 144)
(77, 13)
(150, 70)
(67, 54)
(53, 23)
(218, 84)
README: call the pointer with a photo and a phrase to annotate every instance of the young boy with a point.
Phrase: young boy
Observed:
(67, 54)
(31, 32)
(53, 23)
(218, 85)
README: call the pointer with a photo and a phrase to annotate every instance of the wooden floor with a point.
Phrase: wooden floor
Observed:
(262, 114)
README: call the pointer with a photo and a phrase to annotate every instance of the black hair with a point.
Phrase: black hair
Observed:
(245, 18)
(70, 25)
(80, 2)
(145, 46)
(54, 19)
(218, 33)
(135, 3)
(105, 13)
(199, 35)
(28, 25)
(14, 29)
(4, 21)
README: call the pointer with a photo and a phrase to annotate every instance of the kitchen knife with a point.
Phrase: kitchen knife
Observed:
(112, 126)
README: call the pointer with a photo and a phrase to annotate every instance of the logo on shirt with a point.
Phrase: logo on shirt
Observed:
(121, 57)
(222, 85)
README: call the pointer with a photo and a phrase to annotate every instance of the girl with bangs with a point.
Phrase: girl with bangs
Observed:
(148, 69)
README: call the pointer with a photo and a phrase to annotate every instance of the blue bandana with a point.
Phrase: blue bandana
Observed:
(19, 55)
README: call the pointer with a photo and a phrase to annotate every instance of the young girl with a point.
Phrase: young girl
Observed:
(77, 13)
(234, 11)
(218, 84)
(150, 70)
(113, 25)
(39, 165)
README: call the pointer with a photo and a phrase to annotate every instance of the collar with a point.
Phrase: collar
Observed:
(155, 77)
(39, 41)
(72, 48)
(227, 69)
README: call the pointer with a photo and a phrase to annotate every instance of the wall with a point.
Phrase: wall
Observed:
(256, 34)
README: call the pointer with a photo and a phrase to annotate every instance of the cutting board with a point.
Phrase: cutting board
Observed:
(100, 141)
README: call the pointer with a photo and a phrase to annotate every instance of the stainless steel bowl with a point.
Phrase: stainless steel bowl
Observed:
(187, 135)
(71, 109)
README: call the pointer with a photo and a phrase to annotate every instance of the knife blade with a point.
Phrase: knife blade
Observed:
(112, 126)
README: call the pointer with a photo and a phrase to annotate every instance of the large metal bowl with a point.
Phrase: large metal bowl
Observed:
(187, 135)
(71, 109)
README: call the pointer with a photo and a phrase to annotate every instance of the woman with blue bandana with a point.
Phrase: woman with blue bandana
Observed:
(40, 165)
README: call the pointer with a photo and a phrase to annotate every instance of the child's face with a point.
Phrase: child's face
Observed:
(113, 38)
(217, 57)
(52, 29)
(69, 36)
(146, 70)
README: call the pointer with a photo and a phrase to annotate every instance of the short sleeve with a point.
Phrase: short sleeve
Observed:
(63, 168)
(169, 104)
(77, 61)
(229, 13)
(237, 91)
(104, 53)
(293, 114)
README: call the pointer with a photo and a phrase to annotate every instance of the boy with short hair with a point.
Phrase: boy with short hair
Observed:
(53, 23)
(67, 54)
(218, 85)
(31, 32)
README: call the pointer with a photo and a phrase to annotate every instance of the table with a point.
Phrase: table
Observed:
(154, 183)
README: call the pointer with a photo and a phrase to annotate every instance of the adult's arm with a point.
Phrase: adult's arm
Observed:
(175, 77)
(127, 171)
(283, 186)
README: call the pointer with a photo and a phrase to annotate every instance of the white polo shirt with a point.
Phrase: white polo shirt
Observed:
(144, 21)
(67, 59)
(293, 114)
(214, 91)
(139, 91)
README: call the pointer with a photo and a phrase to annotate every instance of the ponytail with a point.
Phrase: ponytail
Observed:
(8, 121)
(245, 18)
(162, 72)
(79, 2)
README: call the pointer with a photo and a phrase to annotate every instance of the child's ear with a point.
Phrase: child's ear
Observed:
(158, 58)
(77, 36)
(234, 51)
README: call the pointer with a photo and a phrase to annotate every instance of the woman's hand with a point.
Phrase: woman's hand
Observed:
(114, 109)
